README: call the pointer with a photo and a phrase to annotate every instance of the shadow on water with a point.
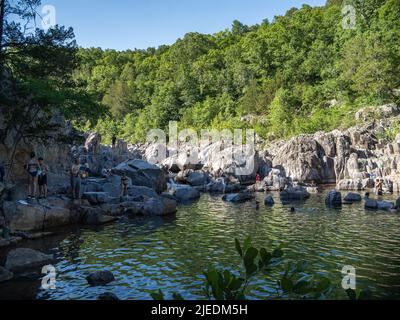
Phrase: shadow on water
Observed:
(171, 253)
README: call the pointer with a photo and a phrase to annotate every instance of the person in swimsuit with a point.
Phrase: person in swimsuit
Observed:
(124, 185)
(379, 187)
(33, 169)
(76, 179)
(42, 178)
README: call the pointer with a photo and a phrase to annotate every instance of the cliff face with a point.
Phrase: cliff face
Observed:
(352, 159)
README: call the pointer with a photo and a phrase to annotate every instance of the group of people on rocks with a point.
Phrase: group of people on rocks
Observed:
(37, 171)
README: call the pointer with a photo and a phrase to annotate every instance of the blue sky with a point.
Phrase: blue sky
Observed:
(129, 24)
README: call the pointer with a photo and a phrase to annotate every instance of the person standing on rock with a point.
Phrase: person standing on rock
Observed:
(76, 179)
(42, 178)
(124, 185)
(114, 141)
(33, 169)
(258, 180)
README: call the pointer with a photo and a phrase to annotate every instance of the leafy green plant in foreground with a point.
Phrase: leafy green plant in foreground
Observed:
(294, 282)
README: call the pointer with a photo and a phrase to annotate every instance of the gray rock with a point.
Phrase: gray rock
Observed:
(32, 217)
(386, 205)
(100, 278)
(198, 178)
(294, 194)
(5, 275)
(96, 198)
(238, 197)
(353, 197)
(333, 199)
(154, 207)
(142, 173)
(107, 296)
(269, 201)
(398, 204)
(23, 258)
(371, 204)
(186, 193)
(137, 191)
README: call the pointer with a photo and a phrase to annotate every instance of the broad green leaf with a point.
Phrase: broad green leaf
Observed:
(238, 247)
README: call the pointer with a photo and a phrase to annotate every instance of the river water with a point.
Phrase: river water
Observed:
(170, 254)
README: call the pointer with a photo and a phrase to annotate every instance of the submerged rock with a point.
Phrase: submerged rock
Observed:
(371, 204)
(186, 193)
(23, 258)
(353, 197)
(294, 194)
(269, 201)
(100, 278)
(198, 178)
(333, 199)
(238, 197)
(107, 296)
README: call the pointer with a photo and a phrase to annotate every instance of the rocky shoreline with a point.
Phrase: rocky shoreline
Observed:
(350, 159)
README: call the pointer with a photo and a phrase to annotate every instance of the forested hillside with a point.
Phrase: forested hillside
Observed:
(300, 73)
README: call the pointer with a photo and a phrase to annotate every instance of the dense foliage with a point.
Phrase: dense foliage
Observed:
(301, 73)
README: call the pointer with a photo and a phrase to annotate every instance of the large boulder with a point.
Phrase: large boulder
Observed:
(24, 216)
(301, 157)
(24, 259)
(143, 173)
(238, 197)
(198, 178)
(96, 198)
(294, 194)
(158, 207)
(333, 199)
(93, 143)
(186, 193)
(100, 278)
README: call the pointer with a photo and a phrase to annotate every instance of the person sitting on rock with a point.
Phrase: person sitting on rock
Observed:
(42, 178)
(32, 168)
(124, 185)
(76, 179)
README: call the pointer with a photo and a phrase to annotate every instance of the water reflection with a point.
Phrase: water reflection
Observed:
(171, 254)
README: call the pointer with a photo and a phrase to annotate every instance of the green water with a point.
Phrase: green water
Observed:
(171, 254)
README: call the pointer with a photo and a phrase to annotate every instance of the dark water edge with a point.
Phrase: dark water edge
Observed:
(171, 253)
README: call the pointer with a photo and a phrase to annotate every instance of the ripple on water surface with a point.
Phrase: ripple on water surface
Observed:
(171, 254)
